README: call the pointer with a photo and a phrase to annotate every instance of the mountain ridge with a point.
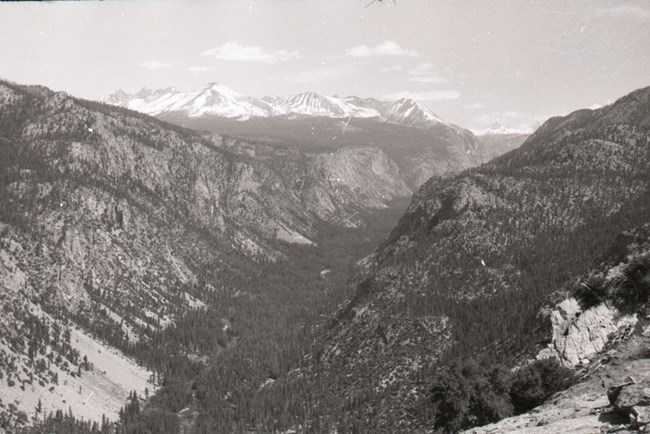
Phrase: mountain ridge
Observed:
(216, 99)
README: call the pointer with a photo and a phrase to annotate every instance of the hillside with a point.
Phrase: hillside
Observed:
(472, 260)
(129, 247)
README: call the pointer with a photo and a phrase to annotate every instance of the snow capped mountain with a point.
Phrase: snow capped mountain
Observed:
(218, 100)
(498, 129)
(212, 99)
(408, 112)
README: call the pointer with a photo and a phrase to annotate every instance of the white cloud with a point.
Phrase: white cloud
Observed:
(423, 73)
(155, 64)
(624, 11)
(199, 69)
(476, 105)
(235, 52)
(388, 48)
(434, 95)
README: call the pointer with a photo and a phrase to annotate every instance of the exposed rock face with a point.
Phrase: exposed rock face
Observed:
(367, 172)
(578, 335)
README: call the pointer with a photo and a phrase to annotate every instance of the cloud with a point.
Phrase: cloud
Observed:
(423, 73)
(476, 105)
(388, 48)
(235, 52)
(624, 11)
(434, 95)
(155, 64)
(200, 68)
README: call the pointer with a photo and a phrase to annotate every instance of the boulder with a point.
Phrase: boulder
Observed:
(640, 415)
(633, 400)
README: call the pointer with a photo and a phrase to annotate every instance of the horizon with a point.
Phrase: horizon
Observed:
(516, 63)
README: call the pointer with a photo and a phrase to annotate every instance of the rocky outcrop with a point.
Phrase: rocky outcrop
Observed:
(579, 334)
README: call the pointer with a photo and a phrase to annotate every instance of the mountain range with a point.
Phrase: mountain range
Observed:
(419, 142)
(218, 100)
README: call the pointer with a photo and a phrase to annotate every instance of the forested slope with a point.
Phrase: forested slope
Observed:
(123, 234)
(474, 257)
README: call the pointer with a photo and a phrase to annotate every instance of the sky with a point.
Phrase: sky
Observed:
(473, 62)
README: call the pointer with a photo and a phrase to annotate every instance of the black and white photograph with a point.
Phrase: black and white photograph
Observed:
(325, 216)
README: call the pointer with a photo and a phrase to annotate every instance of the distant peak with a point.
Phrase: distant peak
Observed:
(409, 112)
(497, 128)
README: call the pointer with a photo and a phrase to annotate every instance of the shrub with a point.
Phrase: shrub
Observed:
(533, 384)
(635, 288)
(467, 394)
